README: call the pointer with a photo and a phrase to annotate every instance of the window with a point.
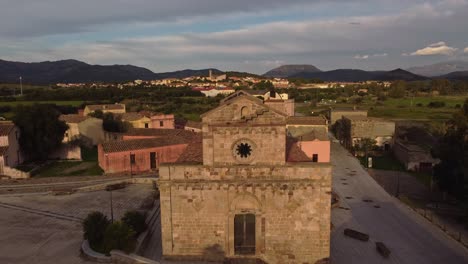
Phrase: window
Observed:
(132, 158)
(315, 158)
(243, 150)
(146, 125)
(161, 123)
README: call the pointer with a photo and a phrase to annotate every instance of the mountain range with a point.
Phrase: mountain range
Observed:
(343, 75)
(74, 71)
(440, 69)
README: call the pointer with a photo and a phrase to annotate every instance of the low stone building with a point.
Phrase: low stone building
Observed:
(412, 147)
(245, 192)
(105, 108)
(338, 113)
(353, 129)
(10, 153)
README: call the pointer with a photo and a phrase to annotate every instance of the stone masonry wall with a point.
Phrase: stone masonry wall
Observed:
(291, 204)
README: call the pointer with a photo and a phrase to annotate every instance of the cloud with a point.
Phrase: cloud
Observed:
(321, 40)
(24, 18)
(361, 57)
(439, 48)
(366, 56)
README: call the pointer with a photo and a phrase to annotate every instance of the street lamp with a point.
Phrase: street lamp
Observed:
(21, 85)
(111, 206)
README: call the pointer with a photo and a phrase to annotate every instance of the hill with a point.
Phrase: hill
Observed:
(286, 71)
(440, 69)
(69, 71)
(459, 75)
(185, 73)
(353, 75)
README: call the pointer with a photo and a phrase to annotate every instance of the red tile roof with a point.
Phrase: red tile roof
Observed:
(148, 132)
(193, 153)
(294, 153)
(307, 120)
(137, 144)
(73, 118)
(6, 127)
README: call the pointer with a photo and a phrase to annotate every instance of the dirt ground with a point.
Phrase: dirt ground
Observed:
(33, 232)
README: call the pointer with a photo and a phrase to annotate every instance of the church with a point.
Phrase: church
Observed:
(255, 186)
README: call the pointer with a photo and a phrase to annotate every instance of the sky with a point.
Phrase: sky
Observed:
(240, 35)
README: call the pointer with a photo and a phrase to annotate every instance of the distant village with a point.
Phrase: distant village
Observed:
(213, 84)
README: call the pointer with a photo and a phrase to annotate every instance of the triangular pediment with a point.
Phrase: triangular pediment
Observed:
(244, 108)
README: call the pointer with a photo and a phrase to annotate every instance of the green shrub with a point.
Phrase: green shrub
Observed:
(94, 227)
(136, 220)
(436, 104)
(119, 235)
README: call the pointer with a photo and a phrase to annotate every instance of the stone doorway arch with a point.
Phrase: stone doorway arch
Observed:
(246, 206)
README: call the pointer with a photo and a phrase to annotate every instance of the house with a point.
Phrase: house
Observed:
(84, 128)
(105, 108)
(412, 147)
(310, 134)
(142, 154)
(10, 153)
(146, 119)
(244, 191)
(352, 129)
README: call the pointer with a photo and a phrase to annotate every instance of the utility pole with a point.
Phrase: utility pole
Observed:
(21, 85)
(111, 207)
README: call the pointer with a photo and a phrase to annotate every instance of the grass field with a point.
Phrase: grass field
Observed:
(403, 108)
(70, 168)
(15, 103)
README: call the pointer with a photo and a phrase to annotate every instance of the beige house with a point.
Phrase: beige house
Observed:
(105, 108)
(146, 119)
(85, 128)
(10, 154)
(244, 193)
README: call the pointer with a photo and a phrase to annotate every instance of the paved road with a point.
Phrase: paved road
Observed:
(411, 238)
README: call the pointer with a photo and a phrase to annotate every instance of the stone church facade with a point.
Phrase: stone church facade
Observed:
(250, 194)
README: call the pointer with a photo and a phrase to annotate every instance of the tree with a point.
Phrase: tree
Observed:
(113, 123)
(94, 226)
(136, 220)
(451, 174)
(263, 85)
(397, 89)
(119, 235)
(41, 130)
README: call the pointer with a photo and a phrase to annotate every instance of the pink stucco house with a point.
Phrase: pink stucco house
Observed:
(143, 150)
(310, 134)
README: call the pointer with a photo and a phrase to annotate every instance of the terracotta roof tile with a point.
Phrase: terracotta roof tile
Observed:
(136, 144)
(73, 118)
(148, 132)
(193, 153)
(294, 153)
(307, 120)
